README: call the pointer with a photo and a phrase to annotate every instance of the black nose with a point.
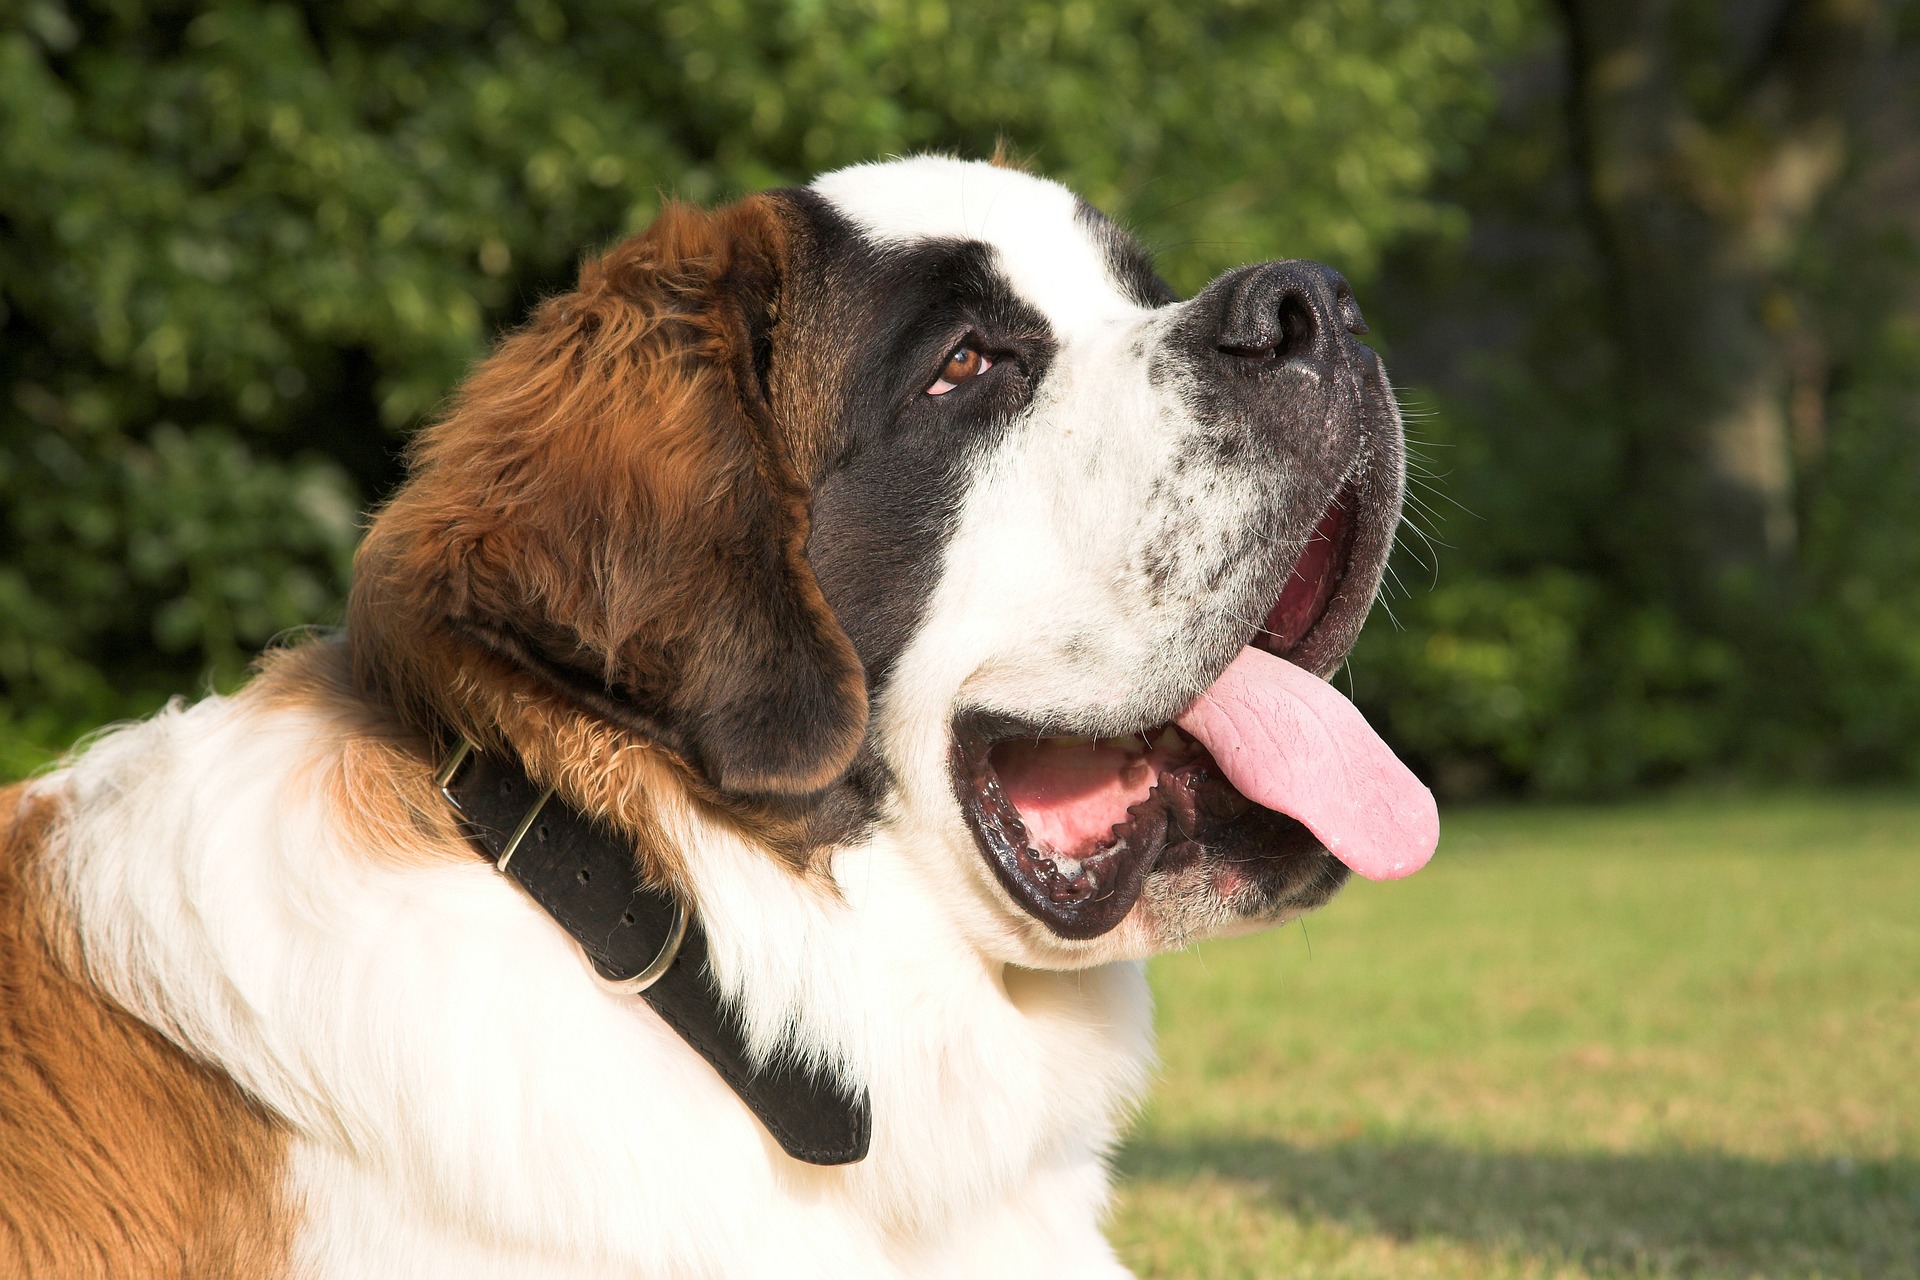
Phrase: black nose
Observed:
(1284, 311)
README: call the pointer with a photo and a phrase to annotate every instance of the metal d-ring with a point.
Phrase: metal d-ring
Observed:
(661, 962)
(676, 933)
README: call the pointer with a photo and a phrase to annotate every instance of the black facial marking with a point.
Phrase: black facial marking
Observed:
(1130, 265)
(1297, 439)
(887, 503)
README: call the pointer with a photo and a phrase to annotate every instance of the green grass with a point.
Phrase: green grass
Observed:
(1672, 1039)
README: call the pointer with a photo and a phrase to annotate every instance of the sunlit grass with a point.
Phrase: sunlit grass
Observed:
(1669, 1039)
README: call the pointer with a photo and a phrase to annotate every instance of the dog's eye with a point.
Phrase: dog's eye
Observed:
(963, 362)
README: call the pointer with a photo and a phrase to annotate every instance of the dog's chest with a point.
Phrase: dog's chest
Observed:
(589, 1141)
(463, 1100)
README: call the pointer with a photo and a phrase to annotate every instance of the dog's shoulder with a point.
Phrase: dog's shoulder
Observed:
(133, 1136)
(271, 881)
(119, 1154)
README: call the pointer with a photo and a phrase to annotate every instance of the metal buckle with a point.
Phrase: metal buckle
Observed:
(676, 933)
(444, 780)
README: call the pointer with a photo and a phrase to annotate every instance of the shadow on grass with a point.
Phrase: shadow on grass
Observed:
(1690, 1214)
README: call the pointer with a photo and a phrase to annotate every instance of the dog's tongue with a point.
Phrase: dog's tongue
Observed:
(1288, 741)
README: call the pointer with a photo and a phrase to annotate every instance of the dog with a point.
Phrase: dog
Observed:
(808, 668)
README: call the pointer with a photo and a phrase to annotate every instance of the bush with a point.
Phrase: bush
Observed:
(246, 247)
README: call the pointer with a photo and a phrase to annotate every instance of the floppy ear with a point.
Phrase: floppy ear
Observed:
(612, 509)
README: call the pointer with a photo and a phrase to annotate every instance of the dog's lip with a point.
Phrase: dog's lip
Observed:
(1084, 895)
(1313, 583)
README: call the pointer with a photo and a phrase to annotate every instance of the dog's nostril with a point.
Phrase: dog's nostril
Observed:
(1281, 313)
(1298, 328)
(1290, 336)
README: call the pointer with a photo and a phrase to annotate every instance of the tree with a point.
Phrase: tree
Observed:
(1677, 367)
(1710, 138)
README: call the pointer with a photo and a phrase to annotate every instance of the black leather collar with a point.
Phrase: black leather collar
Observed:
(640, 939)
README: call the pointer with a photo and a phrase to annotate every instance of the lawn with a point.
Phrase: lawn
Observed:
(1672, 1039)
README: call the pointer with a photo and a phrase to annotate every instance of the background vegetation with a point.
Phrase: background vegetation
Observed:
(1662, 1039)
(1648, 274)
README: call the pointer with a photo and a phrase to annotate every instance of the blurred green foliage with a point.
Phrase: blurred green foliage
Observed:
(1536, 649)
(246, 247)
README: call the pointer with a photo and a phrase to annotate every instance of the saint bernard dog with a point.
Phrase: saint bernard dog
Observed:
(887, 603)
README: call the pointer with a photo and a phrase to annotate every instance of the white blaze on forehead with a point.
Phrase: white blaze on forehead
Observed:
(1051, 257)
(1044, 607)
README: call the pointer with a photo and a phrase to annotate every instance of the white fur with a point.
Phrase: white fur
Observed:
(1028, 221)
(467, 1102)
(1042, 607)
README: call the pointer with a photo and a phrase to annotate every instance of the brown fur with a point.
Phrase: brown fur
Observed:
(1007, 156)
(377, 777)
(598, 563)
(120, 1157)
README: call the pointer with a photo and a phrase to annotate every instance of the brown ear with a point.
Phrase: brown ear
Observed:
(611, 509)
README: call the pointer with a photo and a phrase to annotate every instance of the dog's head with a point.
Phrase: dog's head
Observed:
(915, 501)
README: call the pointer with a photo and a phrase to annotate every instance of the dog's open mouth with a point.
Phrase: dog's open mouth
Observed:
(1268, 765)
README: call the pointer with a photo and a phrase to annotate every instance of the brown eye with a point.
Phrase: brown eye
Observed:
(964, 362)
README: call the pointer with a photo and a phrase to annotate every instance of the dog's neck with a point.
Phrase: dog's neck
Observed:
(398, 994)
(646, 940)
(448, 691)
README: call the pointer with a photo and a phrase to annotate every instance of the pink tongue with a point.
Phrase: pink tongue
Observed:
(1288, 741)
